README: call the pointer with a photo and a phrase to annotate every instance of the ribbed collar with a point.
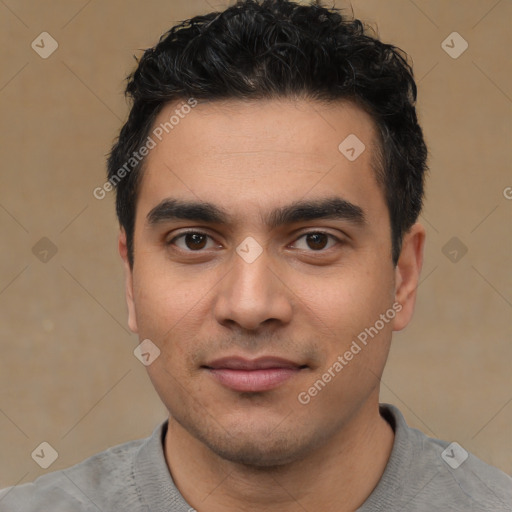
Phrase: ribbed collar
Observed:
(154, 482)
(159, 494)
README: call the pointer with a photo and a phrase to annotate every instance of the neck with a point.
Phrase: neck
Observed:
(339, 476)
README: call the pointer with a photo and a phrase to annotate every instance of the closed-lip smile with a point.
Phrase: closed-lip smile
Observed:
(252, 375)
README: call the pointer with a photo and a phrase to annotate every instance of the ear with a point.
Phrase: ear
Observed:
(407, 274)
(128, 274)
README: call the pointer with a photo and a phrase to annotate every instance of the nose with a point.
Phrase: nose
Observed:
(253, 295)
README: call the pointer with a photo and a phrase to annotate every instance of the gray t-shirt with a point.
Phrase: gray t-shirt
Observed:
(422, 474)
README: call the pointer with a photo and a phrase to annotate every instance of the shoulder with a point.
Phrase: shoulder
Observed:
(438, 475)
(103, 481)
(461, 479)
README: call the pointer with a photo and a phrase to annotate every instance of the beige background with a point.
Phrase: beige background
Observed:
(67, 371)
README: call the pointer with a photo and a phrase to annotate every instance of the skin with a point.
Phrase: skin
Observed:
(228, 450)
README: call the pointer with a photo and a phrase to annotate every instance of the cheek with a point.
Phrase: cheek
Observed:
(162, 299)
(350, 299)
(170, 312)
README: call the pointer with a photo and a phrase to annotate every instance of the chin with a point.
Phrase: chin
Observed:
(256, 438)
(260, 446)
(250, 452)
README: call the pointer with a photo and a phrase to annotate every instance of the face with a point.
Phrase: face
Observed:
(262, 257)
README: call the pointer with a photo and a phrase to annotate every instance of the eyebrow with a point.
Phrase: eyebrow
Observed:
(331, 208)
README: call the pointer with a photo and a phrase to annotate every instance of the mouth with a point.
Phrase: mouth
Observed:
(253, 375)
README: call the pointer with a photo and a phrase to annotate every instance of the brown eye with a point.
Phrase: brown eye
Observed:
(195, 241)
(317, 240)
(192, 241)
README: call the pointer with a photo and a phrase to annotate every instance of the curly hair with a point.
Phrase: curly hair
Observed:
(277, 48)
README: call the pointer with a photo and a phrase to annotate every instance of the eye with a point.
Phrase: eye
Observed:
(317, 240)
(191, 241)
(196, 241)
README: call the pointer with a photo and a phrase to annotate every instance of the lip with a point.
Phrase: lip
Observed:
(252, 375)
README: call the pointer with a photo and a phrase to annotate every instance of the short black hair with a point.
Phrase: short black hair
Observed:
(271, 49)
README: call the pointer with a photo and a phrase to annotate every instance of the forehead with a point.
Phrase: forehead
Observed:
(240, 153)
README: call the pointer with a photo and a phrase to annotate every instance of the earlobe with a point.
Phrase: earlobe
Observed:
(407, 274)
(128, 272)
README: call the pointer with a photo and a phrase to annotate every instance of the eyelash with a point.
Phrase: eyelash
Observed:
(183, 234)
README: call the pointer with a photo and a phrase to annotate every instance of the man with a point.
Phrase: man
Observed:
(269, 179)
